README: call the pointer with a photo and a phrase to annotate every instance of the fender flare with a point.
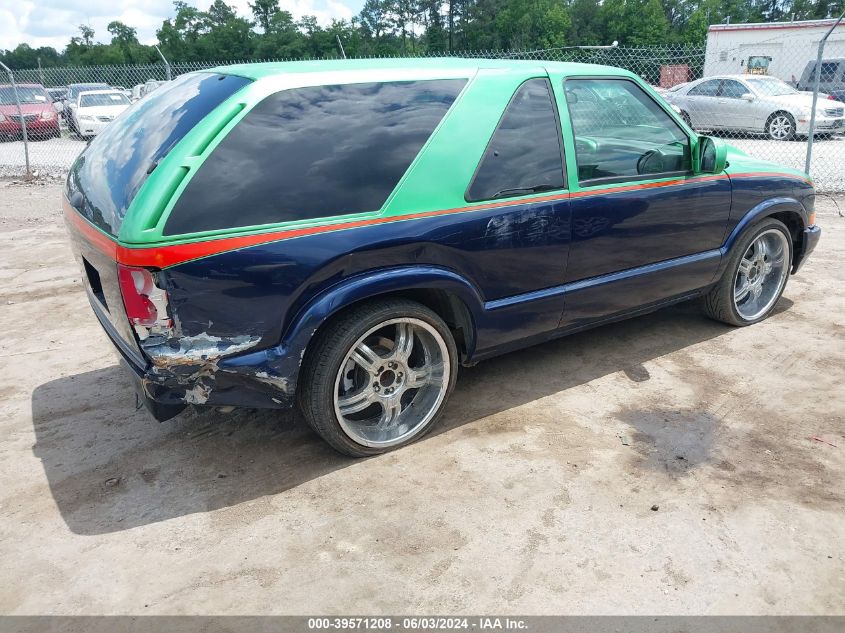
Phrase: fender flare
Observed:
(368, 285)
(763, 210)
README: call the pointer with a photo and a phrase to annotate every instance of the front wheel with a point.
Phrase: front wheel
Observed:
(781, 127)
(755, 276)
(378, 377)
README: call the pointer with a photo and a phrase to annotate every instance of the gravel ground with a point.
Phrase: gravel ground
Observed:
(663, 465)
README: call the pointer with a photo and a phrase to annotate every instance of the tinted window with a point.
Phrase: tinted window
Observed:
(523, 155)
(829, 70)
(733, 89)
(705, 89)
(621, 133)
(314, 152)
(111, 171)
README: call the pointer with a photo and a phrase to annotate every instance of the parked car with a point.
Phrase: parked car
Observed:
(345, 235)
(94, 109)
(831, 78)
(139, 91)
(37, 110)
(72, 96)
(755, 103)
(73, 90)
(57, 94)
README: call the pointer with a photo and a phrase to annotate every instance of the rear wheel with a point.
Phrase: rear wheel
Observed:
(755, 276)
(378, 378)
(781, 127)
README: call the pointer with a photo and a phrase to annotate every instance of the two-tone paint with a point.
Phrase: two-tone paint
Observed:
(503, 273)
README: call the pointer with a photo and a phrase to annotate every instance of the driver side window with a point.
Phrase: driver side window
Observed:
(621, 133)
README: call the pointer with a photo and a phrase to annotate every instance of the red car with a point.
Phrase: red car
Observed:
(42, 120)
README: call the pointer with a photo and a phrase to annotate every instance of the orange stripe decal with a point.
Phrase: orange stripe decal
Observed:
(168, 255)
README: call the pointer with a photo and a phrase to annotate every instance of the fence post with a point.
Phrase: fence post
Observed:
(22, 120)
(816, 80)
(166, 64)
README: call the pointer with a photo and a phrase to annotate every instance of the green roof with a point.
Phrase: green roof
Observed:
(269, 69)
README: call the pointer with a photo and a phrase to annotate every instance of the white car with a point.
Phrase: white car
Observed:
(755, 103)
(95, 109)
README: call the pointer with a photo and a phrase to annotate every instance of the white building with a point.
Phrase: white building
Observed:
(784, 47)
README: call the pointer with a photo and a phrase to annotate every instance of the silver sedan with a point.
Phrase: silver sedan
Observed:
(755, 103)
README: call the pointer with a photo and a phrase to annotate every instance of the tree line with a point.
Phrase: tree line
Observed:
(413, 27)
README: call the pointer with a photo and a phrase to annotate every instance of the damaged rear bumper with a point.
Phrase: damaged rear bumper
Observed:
(206, 370)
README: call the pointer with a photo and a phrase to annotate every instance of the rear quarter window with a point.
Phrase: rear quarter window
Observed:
(313, 152)
(112, 169)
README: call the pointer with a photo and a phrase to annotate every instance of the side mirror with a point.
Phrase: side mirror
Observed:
(748, 97)
(712, 155)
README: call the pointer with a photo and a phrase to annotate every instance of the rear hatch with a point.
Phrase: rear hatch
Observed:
(107, 176)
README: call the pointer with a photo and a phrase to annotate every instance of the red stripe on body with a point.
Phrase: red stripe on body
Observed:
(168, 255)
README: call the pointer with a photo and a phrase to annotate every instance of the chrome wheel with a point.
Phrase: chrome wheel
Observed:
(780, 127)
(761, 274)
(392, 382)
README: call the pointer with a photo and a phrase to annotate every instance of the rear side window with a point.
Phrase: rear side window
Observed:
(732, 89)
(523, 155)
(112, 169)
(314, 152)
(705, 89)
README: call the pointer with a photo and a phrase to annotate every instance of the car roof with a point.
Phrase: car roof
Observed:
(448, 64)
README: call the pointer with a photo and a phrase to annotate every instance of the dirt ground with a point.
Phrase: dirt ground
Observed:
(659, 466)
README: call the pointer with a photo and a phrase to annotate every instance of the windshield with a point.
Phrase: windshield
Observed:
(771, 87)
(117, 162)
(26, 94)
(108, 99)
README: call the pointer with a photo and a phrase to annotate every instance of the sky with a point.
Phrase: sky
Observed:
(54, 22)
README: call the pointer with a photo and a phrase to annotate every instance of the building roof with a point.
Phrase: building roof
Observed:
(765, 26)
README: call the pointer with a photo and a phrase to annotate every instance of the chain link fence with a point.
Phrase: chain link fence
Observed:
(732, 92)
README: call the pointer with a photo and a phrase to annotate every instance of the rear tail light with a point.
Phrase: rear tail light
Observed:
(145, 302)
(831, 97)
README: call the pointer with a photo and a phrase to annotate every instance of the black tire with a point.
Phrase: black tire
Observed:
(322, 363)
(789, 134)
(719, 301)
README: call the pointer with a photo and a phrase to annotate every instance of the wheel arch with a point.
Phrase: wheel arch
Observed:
(787, 210)
(452, 297)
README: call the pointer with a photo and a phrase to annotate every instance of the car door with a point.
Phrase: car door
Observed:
(700, 104)
(644, 227)
(732, 108)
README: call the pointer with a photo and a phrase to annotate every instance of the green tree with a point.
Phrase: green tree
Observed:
(587, 27)
(281, 38)
(264, 11)
(86, 34)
